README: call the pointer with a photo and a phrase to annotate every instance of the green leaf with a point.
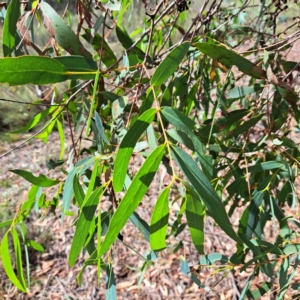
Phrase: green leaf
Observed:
(133, 196)
(159, 221)
(83, 225)
(76, 63)
(62, 33)
(110, 284)
(265, 166)
(169, 65)
(118, 106)
(41, 180)
(206, 192)
(184, 123)
(108, 57)
(178, 119)
(37, 70)
(127, 145)
(100, 128)
(10, 27)
(260, 291)
(7, 265)
(223, 123)
(242, 91)
(181, 137)
(6, 223)
(61, 138)
(35, 245)
(92, 181)
(127, 42)
(195, 212)
(211, 258)
(18, 254)
(229, 57)
(37, 118)
(79, 168)
(141, 225)
(78, 191)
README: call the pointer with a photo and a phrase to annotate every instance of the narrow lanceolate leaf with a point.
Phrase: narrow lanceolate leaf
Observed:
(229, 57)
(41, 180)
(19, 262)
(127, 146)
(78, 191)
(79, 169)
(265, 166)
(62, 33)
(195, 212)
(99, 44)
(42, 70)
(159, 221)
(204, 189)
(169, 65)
(184, 123)
(76, 63)
(110, 285)
(7, 264)
(83, 225)
(133, 196)
(10, 27)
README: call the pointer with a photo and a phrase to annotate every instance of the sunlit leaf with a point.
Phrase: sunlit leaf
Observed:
(206, 192)
(7, 264)
(83, 225)
(133, 196)
(195, 212)
(41, 180)
(169, 64)
(39, 70)
(159, 221)
(127, 145)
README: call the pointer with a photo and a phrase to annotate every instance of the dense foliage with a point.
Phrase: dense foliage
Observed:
(210, 99)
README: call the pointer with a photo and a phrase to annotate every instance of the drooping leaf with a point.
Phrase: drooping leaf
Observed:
(169, 64)
(18, 254)
(141, 225)
(185, 124)
(127, 145)
(61, 138)
(133, 196)
(41, 180)
(83, 225)
(107, 55)
(127, 42)
(78, 191)
(62, 33)
(195, 212)
(79, 168)
(10, 27)
(36, 120)
(100, 128)
(159, 221)
(7, 264)
(205, 190)
(110, 284)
